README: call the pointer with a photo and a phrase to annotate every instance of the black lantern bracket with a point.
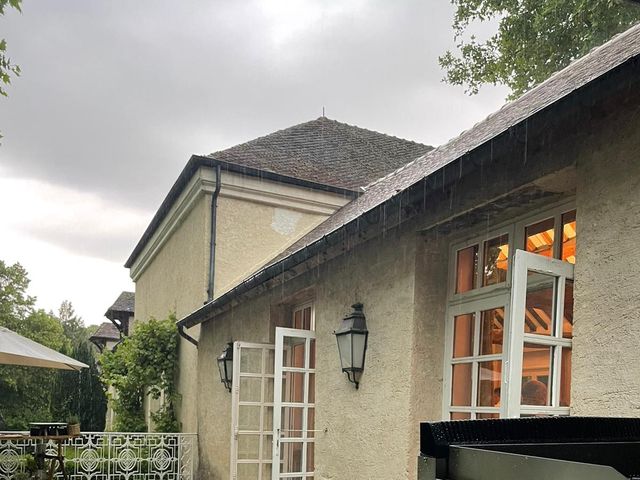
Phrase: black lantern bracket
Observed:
(225, 366)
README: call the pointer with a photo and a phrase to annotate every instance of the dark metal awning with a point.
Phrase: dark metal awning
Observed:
(567, 448)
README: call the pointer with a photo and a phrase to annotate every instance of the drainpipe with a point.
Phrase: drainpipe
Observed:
(212, 236)
(212, 253)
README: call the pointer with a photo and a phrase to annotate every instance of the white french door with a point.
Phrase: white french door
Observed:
(294, 404)
(540, 336)
(252, 411)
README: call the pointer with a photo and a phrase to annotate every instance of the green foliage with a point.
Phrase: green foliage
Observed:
(29, 394)
(7, 68)
(144, 364)
(535, 38)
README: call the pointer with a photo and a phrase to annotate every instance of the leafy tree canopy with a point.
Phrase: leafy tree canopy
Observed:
(144, 364)
(29, 394)
(535, 38)
(7, 68)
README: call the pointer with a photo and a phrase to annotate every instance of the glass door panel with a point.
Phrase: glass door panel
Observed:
(252, 411)
(540, 344)
(293, 418)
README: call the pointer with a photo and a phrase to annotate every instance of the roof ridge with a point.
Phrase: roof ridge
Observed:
(395, 137)
(319, 119)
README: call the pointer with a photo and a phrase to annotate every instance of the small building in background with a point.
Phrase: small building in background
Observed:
(106, 336)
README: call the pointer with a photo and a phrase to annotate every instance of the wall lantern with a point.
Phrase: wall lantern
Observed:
(225, 366)
(352, 343)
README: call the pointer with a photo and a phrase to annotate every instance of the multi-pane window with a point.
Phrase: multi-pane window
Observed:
(481, 335)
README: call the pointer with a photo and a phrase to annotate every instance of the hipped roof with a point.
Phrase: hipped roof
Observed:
(578, 74)
(321, 154)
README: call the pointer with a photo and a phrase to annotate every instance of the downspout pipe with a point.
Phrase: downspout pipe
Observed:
(212, 253)
(212, 236)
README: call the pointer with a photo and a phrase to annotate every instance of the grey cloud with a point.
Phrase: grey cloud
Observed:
(116, 95)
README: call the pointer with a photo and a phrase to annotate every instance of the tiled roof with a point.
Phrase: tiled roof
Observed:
(327, 152)
(579, 73)
(125, 302)
(106, 331)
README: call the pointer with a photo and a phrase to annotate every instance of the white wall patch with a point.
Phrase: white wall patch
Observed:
(285, 221)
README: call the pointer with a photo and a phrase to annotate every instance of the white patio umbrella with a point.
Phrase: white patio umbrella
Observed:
(18, 350)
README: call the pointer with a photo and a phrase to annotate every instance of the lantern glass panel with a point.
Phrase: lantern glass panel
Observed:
(359, 343)
(221, 370)
(229, 367)
(344, 348)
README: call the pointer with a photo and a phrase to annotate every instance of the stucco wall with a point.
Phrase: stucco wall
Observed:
(255, 221)
(367, 429)
(606, 359)
(175, 281)
(249, 234)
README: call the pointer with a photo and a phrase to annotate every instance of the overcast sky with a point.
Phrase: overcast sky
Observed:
(115, 96)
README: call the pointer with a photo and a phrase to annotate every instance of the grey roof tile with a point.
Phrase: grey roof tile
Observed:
(327, 152)
(579, 73)
(107, 331)
(125, 302)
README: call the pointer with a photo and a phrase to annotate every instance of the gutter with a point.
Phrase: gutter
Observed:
(212, 253)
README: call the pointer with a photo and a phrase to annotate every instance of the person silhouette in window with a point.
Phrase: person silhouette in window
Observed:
(534, 392)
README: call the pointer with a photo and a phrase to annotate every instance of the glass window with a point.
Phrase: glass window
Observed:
(565, 378)
(461, 385)
(567, 320)
(460, 416)
(568, 252)
(496, 260)
(536, 373)
(491, 331)
(539, 238)
(489, 379)
(466, 269)
(463, 327)
(539, 307)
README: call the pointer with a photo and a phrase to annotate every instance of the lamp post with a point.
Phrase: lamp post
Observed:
(225, 366)
(352, 343)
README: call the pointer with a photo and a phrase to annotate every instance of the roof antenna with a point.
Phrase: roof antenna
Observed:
(323, 111)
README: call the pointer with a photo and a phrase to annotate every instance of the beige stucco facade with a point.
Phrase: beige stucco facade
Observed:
(401, 278)
(256, 219)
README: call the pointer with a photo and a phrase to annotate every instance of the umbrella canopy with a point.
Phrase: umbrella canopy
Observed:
(18, 350)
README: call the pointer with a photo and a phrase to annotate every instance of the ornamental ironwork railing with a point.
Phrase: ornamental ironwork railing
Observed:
(108, 456)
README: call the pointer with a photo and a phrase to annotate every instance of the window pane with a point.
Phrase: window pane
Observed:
(467, 267)
(569, 237)
(463, 335)
(539, 238)
(489, 377)
(536, 374)
(248, 471)
(565, 378)
(461, 385)
(567, 320)
(538, 314)
(460, 416)
(491, 331)
(496, 259)
(487, 415)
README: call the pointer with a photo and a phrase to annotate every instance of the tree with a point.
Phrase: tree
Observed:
(7, 68)
(144, 364)
(81, 393)
(535, 38)
(30, 394)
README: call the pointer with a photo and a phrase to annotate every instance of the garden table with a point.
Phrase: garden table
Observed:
(40, 454)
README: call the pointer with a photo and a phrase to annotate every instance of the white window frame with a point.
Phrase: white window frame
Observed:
(475, 301)
(562, 271)
(302, 307)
